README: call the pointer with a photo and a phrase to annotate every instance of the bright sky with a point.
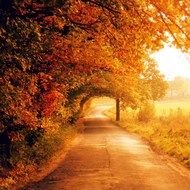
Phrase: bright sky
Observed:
(172, 62)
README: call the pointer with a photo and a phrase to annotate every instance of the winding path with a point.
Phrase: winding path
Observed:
(108, 158)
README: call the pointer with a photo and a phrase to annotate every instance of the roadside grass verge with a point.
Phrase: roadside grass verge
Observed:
(167, 133)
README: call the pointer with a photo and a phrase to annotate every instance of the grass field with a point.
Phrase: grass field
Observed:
(166, 127)
(169, 106)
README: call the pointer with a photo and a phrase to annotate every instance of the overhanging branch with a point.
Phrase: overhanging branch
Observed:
(161, 13)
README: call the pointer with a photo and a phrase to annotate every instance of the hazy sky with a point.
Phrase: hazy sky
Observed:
(172, 62)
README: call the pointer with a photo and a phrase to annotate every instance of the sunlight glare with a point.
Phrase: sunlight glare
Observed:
(172, 62)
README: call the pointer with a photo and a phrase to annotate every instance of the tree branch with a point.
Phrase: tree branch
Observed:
(173, 22)
(102, 5)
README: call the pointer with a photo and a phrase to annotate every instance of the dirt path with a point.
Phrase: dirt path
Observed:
(108, 158)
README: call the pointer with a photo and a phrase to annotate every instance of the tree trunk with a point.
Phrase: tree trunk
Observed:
(117, 109)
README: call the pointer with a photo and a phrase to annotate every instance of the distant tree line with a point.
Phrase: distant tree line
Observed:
(179, 87)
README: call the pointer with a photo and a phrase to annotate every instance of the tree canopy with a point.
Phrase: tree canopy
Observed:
(56, 54)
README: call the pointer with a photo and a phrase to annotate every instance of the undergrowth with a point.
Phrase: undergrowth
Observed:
(28, 160)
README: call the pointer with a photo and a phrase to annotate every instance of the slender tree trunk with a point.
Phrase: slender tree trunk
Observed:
(117, 109)
(171, 93)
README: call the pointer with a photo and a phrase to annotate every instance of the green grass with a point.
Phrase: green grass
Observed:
(167, 131)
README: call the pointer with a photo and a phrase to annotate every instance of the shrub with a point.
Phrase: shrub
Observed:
(44, 148)
(146, 113)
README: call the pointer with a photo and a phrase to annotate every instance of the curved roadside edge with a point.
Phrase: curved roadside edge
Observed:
(172, 162)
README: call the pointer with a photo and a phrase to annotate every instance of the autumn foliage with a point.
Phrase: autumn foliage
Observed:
(55, 55)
